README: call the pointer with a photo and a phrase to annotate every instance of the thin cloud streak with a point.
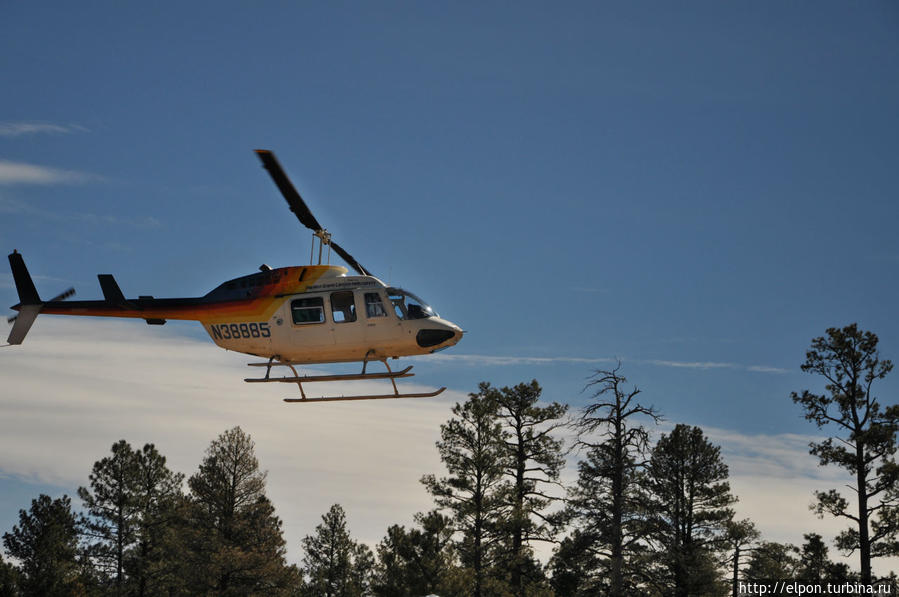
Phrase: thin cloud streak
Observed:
(19, 129)
(6, 280)
(691, 364)
(492, 360)
(12, 206)
(479, 359)
(20, 173)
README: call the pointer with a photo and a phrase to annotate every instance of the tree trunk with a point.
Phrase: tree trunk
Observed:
(616, 580)
(864, 540)
(735, 581)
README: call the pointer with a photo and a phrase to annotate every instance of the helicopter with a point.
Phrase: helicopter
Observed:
(291, 316)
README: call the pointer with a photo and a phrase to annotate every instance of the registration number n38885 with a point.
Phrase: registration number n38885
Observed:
(234, 331)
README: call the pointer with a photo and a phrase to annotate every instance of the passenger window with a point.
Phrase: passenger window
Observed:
(308, 310)
(373, 305)
(343, 307)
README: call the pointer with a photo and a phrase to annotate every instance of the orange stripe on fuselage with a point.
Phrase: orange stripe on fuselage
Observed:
(261, 302)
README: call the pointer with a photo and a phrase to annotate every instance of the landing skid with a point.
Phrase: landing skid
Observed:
(301, 379)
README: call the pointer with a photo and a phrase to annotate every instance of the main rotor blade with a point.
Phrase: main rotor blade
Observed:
(296, 203)
(349, 259)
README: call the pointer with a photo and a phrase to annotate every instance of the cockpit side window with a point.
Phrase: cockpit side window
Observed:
(343, 306)
(399, 304)
(373, 305)
(308, 310)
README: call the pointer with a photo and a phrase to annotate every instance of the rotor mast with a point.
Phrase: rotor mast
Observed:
(324, 238)
(304, 215)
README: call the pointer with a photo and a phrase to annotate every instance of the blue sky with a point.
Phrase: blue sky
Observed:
(697, 190)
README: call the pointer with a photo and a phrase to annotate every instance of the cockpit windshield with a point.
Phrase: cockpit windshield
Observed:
(409, 306)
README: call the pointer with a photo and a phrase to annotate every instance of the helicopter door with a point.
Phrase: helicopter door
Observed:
(309, 326)
(381, 325)
(345, 325)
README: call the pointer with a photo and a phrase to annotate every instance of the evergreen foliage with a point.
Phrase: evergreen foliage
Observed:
(471, 447)
(576, 567)
(335, 565)
(231, 539)
(533, 461)
(110, 527)
(689, 499)
(9, 579)
(849, 361)
(45, 542)
(420, 561)
(815, 564)
(770, 561)
(127, 527)
(149, 565)
(738, 537)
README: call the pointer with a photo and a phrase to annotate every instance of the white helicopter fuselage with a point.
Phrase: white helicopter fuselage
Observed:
(339, 318)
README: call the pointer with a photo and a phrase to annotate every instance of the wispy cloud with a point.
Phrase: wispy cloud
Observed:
(712, 365)
(691, 364)
(480, 359)
(13, 206)
(764, 369)
(493, 360)
(19, 129)
(6, 280)
(76, 386)
(19, 173)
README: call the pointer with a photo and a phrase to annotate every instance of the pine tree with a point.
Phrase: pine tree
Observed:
(334, 565)
(9, 579)
(689, 501)
(607, 504)
(815, 564)
(772, 561)
(848, 359)
(419, 561)
(738, 537)
(574, 567)
(45, 543)
(110, 526)
(532, 460)
(233, 544)
(150, 565)
(471, 448)
(130, 511)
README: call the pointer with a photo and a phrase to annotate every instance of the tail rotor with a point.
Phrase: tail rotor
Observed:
(30, 303)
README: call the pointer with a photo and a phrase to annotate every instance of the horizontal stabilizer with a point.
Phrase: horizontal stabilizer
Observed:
(111, 291)
(27, 315)
(27, 292)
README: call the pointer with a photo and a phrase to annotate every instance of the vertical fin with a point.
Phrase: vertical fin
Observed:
(111, 291)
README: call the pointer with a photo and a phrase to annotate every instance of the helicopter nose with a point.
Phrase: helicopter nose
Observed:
(427, 338)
